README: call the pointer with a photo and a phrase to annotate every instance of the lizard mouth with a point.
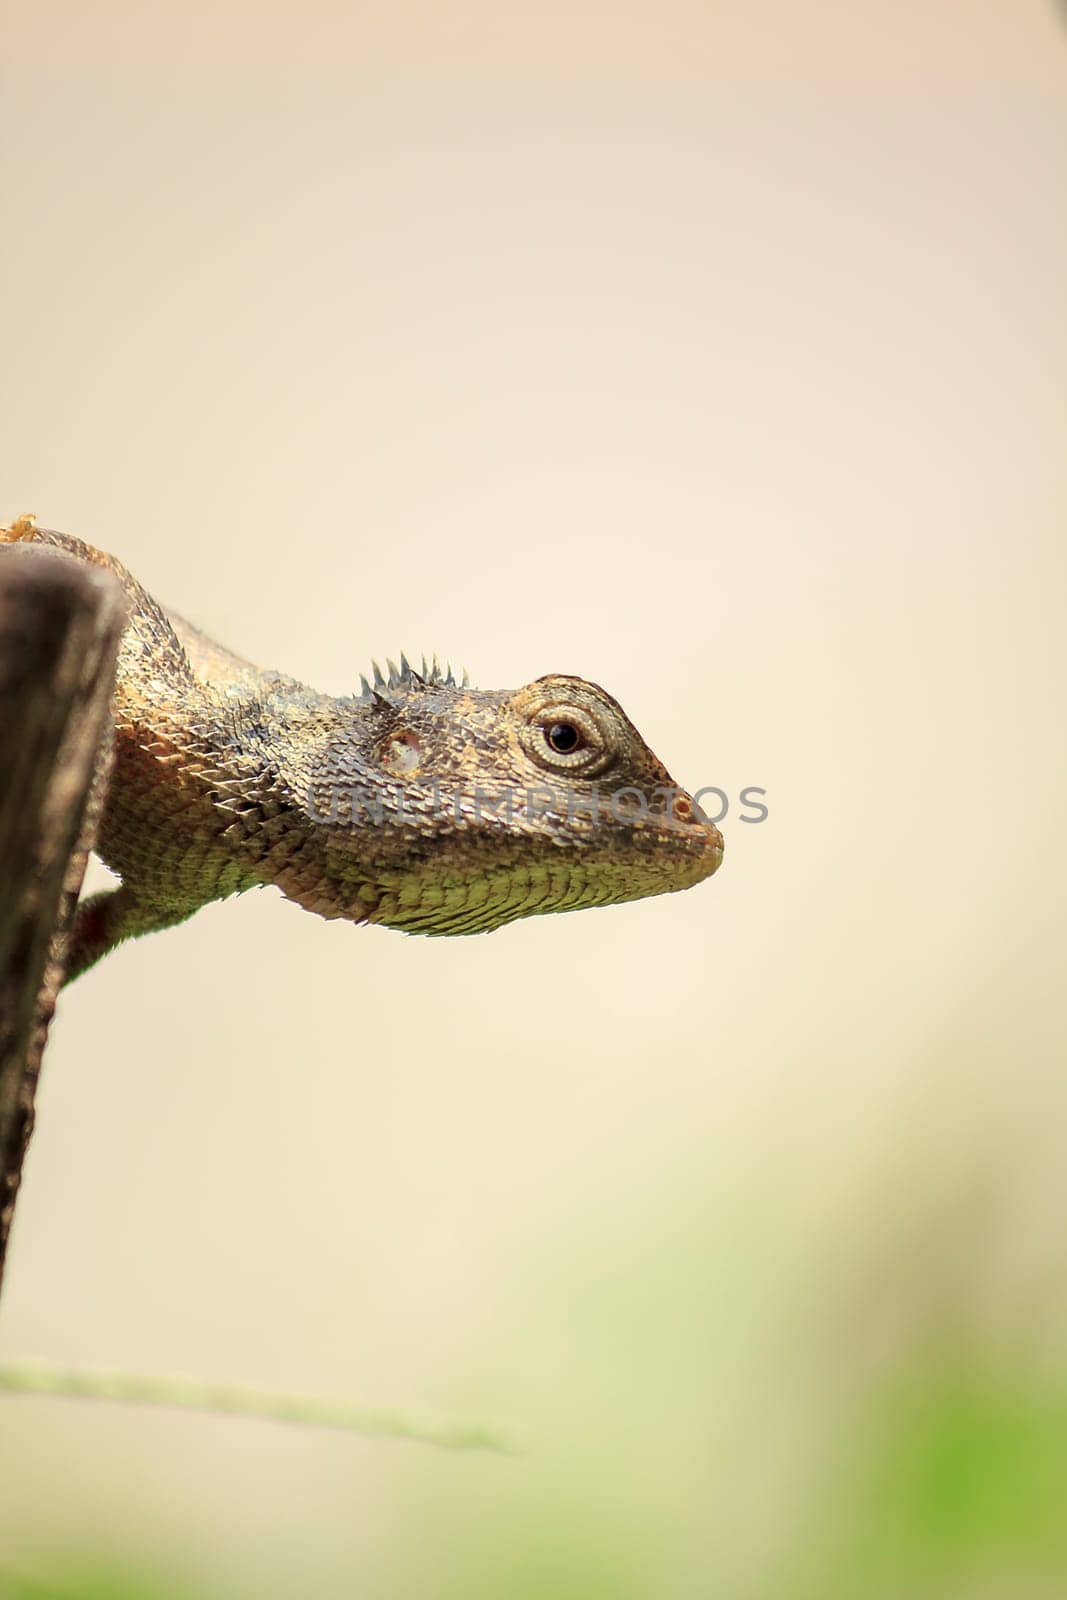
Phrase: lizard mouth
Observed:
(702, 848)
(455, 904)
(712, 852)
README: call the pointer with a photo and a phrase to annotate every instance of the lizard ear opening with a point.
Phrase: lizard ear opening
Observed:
(402, 754)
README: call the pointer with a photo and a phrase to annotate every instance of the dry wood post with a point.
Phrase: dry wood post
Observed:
(60, 626)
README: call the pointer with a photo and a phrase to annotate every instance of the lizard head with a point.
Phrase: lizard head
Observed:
(479, 807)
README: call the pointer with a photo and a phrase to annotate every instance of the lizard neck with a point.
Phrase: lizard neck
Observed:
(271, 750)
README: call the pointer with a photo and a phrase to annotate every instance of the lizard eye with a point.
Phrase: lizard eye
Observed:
(563, 737)
(568, 738)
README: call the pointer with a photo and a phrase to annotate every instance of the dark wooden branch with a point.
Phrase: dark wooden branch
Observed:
(60, 626)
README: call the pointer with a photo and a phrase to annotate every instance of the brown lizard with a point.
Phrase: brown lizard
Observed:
(420, 803)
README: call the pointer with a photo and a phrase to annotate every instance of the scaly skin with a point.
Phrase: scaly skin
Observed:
(420, 803)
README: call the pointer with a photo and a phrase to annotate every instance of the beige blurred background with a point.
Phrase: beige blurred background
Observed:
(715, 352)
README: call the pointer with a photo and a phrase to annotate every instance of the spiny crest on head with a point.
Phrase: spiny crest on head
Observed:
(404, 678)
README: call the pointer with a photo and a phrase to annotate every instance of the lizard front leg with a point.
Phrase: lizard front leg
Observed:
(103, 920)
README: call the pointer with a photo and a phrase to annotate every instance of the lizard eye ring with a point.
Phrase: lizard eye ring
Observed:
(567, 738)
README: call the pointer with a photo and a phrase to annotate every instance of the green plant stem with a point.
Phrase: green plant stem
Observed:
(223, 1400)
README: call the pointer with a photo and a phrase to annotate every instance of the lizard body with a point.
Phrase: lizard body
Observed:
(420, 803)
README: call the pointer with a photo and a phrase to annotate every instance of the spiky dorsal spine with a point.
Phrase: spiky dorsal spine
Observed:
(405, 677)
